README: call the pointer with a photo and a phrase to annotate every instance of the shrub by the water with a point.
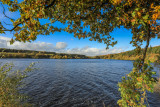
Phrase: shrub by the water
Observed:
(10, 81)
(133, 88)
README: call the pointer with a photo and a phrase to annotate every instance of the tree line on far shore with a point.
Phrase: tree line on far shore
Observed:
(14, 53)
(152, 54)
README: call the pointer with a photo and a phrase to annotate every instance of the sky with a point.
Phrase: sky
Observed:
(63, 42)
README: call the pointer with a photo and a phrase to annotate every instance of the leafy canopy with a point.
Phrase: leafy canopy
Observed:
(99, 16)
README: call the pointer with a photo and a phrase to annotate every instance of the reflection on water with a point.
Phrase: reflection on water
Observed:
(76, 82)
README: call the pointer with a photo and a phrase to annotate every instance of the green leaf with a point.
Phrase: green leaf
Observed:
(146, 17)
(153, 73)
(133, 14)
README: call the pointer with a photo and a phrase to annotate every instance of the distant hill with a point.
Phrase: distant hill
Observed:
(14, 53)
(152, 54)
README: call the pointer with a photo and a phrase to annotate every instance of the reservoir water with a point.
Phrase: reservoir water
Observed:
(76, 82)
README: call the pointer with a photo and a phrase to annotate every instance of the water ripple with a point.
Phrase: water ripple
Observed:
(76, 83)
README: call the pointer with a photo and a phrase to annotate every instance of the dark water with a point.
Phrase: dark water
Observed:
(76, 82)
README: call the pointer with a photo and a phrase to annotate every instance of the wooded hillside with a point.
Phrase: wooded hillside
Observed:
(14, 53)
(152, 54)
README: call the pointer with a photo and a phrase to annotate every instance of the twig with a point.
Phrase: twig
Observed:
(6, 23)
(5, 14)
(27, 18)
(52, 3)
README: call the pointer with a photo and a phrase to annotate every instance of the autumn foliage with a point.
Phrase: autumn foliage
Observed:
(99, 16)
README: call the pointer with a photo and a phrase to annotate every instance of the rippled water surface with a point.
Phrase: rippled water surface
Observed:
(76, 82)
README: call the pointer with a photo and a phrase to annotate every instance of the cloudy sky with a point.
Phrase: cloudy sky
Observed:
(59, 47)
(63, 42)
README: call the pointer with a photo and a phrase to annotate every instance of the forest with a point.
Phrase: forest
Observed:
(152, 54)
(14, 53)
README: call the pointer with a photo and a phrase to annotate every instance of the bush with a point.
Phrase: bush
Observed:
(10, 81)
(133, 87)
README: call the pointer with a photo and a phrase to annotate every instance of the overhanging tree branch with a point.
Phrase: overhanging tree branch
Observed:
(52, 3)
(5, 14)
(16, 25)
(48, 6)
(6, 23)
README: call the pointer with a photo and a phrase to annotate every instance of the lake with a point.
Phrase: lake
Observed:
(76, 82)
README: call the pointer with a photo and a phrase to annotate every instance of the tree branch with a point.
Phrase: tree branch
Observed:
(6, 23)
(147, 44)
(15, 26)
(26, 19)
(5, 14)
(52, 3)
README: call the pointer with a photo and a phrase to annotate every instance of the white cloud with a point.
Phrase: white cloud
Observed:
(39, 46)
(60, 47)
(3, 43)
(93, 51)
(5, 38)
